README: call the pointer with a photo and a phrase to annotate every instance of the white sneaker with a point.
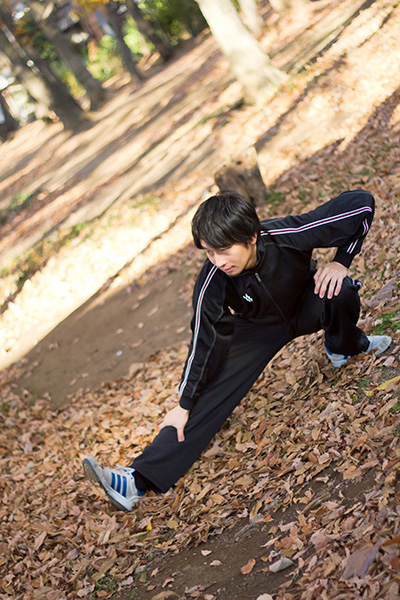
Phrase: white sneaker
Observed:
(338, 360)
(377, 343)
(119, 484)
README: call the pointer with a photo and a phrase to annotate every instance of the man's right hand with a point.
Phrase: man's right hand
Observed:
(177, 417)
(329, 279)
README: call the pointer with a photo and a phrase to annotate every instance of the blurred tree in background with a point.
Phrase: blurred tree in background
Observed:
(249, 63)
(175, 17)
(155, 37)
(252, 17)
(67, 48)
(44, 15)
(48, 92)
(284, 6)
(7, 121)
(125, 51)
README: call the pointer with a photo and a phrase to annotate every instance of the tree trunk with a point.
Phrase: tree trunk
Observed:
(252, 17)
(126, 54)
(284, 6)
(159, 41)
(48, 25)
(49, 93)
(248, 61)
(90, 23)
(243, 175)
(7, 121)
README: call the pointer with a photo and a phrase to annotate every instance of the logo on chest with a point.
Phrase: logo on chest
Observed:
(247, 297)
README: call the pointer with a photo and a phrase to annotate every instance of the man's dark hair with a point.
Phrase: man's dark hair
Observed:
(223, 220)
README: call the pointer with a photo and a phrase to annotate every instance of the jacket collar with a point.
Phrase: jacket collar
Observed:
(261, 252)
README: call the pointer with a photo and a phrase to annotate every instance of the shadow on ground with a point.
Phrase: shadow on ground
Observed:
(103, 338)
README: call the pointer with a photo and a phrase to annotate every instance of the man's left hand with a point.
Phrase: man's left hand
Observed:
(330, 278)
(177, 417)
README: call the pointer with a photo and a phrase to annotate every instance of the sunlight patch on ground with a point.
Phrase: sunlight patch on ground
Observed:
(341, 102)
(29, 319)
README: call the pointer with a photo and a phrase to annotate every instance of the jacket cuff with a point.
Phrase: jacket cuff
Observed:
(343, 258)
(186, 402)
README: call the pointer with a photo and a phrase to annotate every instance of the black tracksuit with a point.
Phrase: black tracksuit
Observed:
(240, 323)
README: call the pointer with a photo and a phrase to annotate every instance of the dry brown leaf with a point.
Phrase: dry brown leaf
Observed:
(248, 567)
(215, 563)
(395, 540)
(384, 385)
(173, 524)
(167, 595)
(39, 540)
(217, 498)
(358, 563)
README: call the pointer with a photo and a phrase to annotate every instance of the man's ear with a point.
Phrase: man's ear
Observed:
(253, 239)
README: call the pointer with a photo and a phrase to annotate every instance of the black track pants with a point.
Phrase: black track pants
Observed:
(165, 460)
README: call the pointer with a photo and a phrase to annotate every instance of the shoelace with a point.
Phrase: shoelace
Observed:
(130, 472)
(127, 469)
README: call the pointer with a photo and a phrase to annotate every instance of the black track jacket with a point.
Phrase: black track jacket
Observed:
(269, 293)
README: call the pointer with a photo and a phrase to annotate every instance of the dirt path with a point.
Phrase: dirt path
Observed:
(106, 336)
(217, 567)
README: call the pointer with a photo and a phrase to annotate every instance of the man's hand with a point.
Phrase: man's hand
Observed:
(177, 417)
(329, 278)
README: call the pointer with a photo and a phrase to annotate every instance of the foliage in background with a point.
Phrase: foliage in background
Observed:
(104, 61)
(176, 17)
(29, 34)
(132, 37)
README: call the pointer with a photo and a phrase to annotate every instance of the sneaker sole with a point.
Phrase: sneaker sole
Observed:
(377, 352)
(384, 346)
(96, 481)
(341, 363)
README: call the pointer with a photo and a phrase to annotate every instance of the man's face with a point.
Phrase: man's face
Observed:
(234, 259)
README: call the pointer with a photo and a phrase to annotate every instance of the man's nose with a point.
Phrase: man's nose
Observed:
(219, 260)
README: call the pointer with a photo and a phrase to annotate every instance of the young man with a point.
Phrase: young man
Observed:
(258, 289)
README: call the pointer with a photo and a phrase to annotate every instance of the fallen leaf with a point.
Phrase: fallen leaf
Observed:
(165, 595)
(358, 563)
(395, 563)
(382, 386)
(248, 567)
(215, 563)
(395, 540)
(39, 540)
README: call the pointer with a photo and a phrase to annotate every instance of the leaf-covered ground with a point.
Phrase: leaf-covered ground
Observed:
(306, 469)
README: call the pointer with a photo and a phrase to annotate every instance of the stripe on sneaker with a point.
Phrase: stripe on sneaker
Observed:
(124, 485)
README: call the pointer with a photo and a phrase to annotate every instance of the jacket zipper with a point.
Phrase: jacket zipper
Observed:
(260, 281)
